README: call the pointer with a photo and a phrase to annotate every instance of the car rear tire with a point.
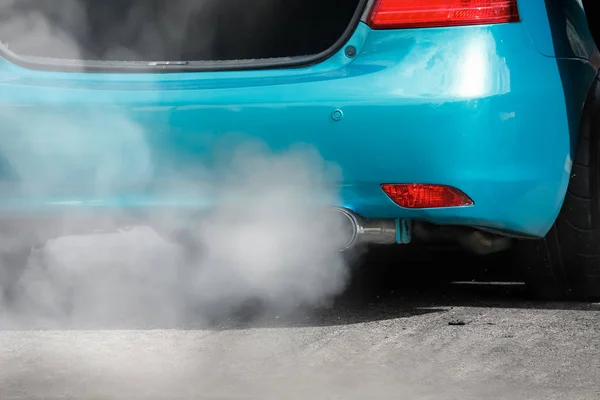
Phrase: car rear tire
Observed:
(566, 263)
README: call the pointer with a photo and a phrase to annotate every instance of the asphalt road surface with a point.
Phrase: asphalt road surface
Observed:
(396, 333)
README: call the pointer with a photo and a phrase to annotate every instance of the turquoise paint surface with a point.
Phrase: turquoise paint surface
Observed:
(461, 106)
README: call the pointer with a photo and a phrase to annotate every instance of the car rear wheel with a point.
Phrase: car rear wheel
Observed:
(566, 263)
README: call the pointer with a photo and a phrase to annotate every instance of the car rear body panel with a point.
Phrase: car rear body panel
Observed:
(479, 108)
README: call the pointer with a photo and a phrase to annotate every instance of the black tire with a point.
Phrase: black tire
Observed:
(566, 263)
(592, 11)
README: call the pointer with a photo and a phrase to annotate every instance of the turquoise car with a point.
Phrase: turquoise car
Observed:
(473, 121)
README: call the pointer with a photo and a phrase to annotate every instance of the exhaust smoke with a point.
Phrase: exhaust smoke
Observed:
(232, 233)
(267, 239)
(264, 238)
(260, 244)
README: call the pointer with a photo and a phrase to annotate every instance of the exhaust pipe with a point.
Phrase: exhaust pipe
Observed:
(470, 239)
(358, 230)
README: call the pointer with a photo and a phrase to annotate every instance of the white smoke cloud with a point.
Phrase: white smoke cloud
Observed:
(267, 238)
(265, 241)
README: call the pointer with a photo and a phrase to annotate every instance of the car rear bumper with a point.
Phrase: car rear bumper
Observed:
(465, 107)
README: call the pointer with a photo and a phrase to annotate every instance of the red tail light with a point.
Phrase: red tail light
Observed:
(426, 196)
(393, 14)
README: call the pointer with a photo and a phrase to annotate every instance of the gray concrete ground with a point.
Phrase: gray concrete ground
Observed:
(395, 334)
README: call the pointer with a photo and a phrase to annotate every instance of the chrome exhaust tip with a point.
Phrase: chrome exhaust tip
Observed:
(358, 230)
(349, 227)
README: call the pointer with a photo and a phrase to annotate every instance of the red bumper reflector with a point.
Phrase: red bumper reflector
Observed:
(414, 195)
(392, 14)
